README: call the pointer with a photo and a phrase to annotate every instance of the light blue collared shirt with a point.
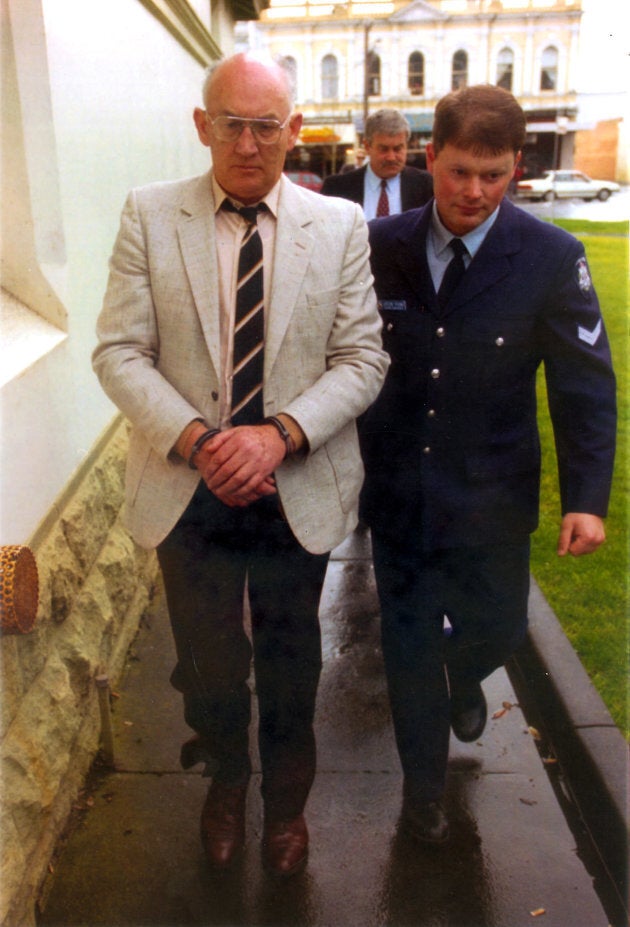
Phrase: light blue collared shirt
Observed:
(372, 191)
(439, 253)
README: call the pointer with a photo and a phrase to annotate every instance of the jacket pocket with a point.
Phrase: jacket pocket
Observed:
(497, 463)
(345, 460)
(497, 333)
(137, 461)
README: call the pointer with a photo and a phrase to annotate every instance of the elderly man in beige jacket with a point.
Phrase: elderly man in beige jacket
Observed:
(243, 489)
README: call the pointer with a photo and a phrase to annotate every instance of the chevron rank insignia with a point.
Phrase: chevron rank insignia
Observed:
(590, 337)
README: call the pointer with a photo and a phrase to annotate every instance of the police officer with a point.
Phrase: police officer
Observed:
(474, 294)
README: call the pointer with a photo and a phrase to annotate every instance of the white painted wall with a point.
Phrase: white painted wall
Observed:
(122, 92)
(603, 71)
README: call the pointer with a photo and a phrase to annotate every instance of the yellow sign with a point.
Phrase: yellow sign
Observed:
(319, 135)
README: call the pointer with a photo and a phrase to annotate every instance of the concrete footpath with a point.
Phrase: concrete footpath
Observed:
(133, 856)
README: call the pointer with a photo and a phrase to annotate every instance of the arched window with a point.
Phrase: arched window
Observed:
(373, 74)
(290, 65)
(330, 78)
(505, 68)
(459, 76)
(549, 69)
(415, 73)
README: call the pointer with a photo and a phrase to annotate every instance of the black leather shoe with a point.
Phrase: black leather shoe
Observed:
(469, 712)
(285, 846)
(223, 824)
(426, 822)
(195, 751)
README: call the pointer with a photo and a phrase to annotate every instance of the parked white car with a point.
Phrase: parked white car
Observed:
(564, 185)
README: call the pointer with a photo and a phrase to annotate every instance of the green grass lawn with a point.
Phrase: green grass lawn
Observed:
(590, 594)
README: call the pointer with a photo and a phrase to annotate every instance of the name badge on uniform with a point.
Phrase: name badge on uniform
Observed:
(392, 305)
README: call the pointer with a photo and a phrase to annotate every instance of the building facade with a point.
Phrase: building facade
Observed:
(353, 58)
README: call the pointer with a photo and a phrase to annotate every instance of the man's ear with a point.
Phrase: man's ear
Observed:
(517, 161)
(295, 125)
(201, 124)
(430, 151)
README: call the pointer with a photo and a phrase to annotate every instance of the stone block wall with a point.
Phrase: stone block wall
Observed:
(95, 585)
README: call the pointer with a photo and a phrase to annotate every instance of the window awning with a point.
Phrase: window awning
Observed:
(419, 122)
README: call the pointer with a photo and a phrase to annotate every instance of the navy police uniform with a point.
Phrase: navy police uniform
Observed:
(452, 453)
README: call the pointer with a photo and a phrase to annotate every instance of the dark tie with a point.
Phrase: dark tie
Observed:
(382, 208)
(454, 271)
(249, 323)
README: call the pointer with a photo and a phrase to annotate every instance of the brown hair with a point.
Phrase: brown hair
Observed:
(483, 118)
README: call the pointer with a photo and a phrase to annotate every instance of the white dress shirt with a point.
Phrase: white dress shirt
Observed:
(439, 253)
(372, 191)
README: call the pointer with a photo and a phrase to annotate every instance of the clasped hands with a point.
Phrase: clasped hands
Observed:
(237, 465)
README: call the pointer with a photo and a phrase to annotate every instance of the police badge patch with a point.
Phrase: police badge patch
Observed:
(583, 276)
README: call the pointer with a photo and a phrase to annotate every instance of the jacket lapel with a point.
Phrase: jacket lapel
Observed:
(352, 185)
(410, 252)
(196, 233)
(294, 246)
(358, 189)
(405, 190)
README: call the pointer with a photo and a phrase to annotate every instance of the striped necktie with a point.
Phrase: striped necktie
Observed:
(249, 323)
(382, 207)
(454, 271)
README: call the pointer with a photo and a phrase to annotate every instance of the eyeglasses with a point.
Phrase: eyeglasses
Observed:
(265, 131)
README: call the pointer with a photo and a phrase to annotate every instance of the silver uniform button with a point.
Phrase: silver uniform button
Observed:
(440, 332)
(431, 413)
(426, 450)
(435, 373)
(390, 326)
(499, 342)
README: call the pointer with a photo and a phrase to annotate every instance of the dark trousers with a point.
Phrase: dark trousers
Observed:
(207, 561)
(483, 592)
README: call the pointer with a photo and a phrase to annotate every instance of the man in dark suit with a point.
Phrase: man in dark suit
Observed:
(384, 186)
(474, 294)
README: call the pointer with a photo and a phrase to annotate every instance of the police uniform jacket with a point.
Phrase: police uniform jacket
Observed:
(451, 444)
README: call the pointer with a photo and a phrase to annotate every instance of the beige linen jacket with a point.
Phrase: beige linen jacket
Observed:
(158, 350)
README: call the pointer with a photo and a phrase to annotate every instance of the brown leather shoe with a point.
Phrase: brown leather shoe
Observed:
(223, 823)
(285, 846)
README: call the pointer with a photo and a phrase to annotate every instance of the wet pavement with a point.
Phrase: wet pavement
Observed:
(133, 856)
